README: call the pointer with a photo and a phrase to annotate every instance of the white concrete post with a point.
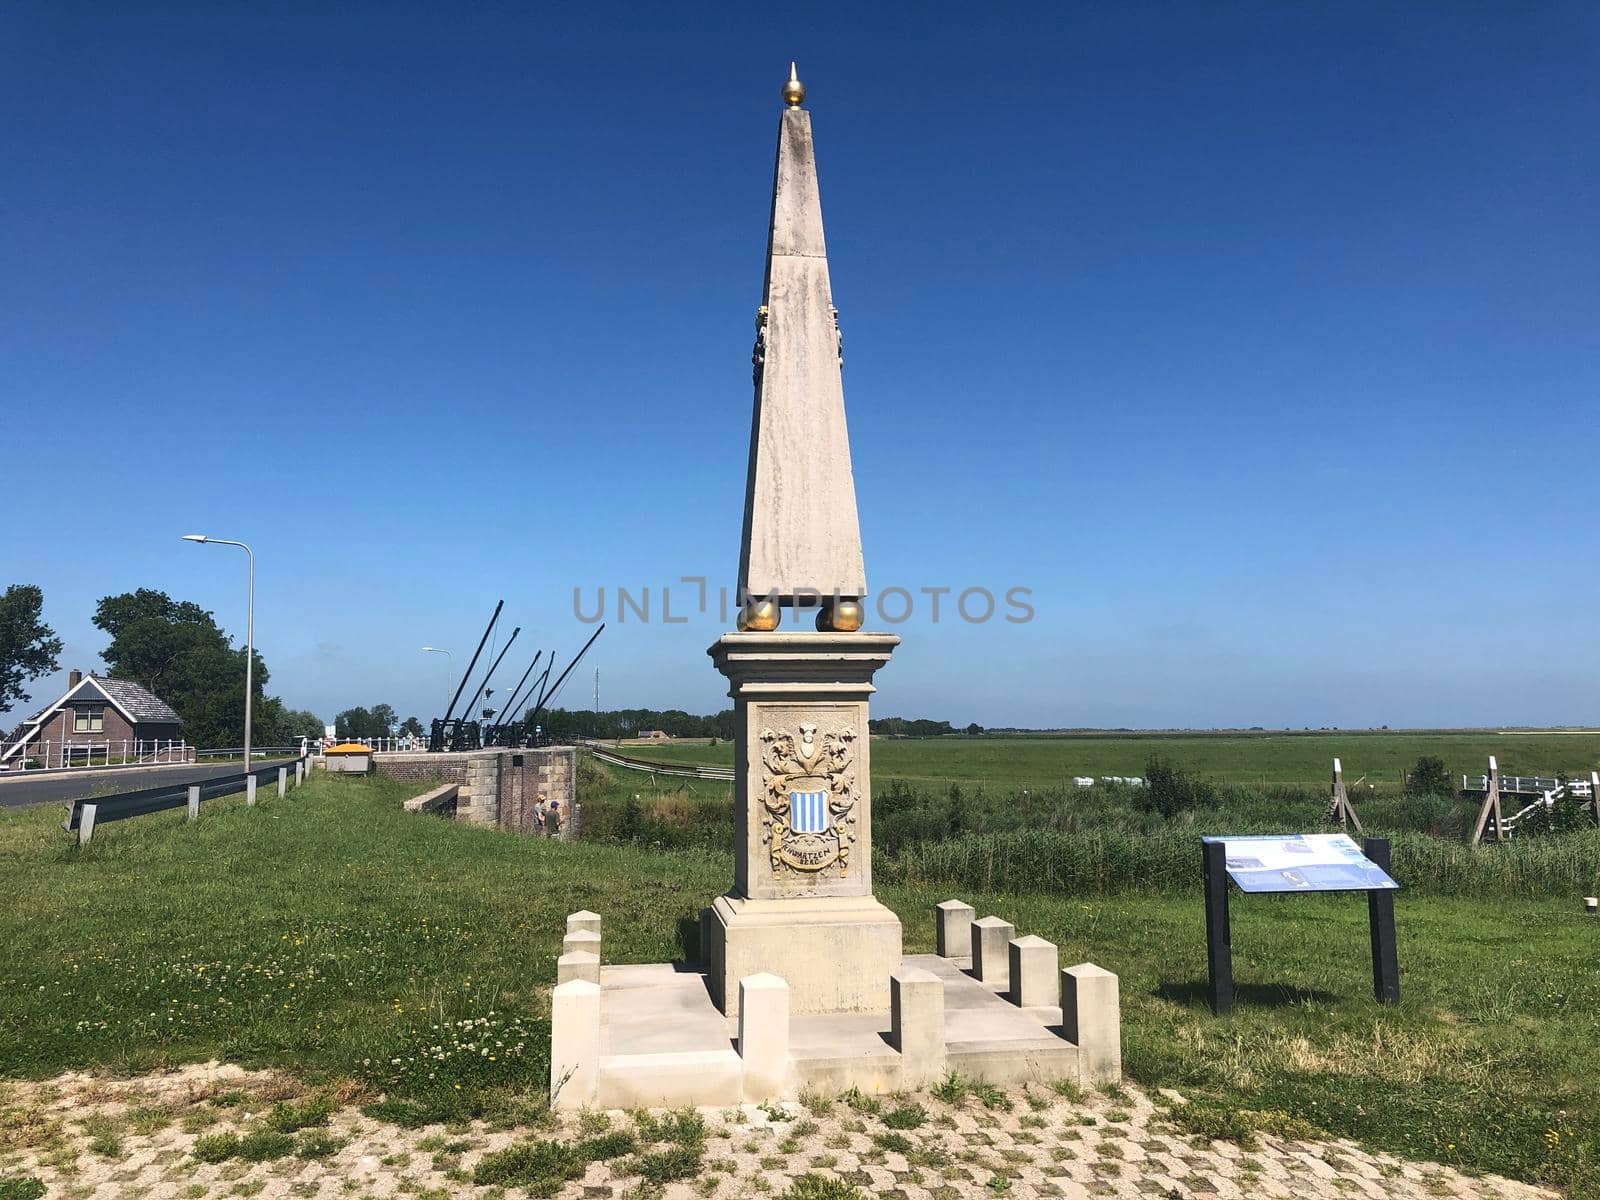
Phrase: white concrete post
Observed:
(952, 928)
(283, 781)
(299, 771)
(583, 921)
(764, 1035)
(86, 823)
(1091, 1016)
(249, 789)
(916, 1024)
(194, 802)
(578, 965)
(581, 941)
(991, 961)
(574, 1044)
(1034, 964)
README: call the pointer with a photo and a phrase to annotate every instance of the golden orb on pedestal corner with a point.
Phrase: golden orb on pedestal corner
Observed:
(759, 616)
(842, 616)
(794, 92)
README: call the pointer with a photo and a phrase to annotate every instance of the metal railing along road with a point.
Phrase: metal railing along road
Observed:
(83, 815)
(48, 754)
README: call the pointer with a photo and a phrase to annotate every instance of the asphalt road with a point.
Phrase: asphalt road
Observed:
(26, 789)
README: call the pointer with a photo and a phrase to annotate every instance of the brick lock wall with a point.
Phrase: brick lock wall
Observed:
(500, 788)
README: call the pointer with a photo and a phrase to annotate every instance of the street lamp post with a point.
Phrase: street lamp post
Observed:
(450, 665)
(249, 631)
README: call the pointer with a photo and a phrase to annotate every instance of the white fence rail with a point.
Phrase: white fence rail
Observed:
(1528, 785)
(50, 754)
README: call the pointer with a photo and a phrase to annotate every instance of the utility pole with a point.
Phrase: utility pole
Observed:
(597, 692)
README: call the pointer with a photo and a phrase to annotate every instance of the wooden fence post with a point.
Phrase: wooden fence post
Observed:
(1491, 806)
(1341, 806)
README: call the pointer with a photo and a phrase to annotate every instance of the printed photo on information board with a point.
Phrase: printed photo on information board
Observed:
(1314, 862)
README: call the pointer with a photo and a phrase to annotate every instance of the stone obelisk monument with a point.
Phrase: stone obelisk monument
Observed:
(801, 906)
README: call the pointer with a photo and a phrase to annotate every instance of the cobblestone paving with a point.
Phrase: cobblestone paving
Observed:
(85, 1138)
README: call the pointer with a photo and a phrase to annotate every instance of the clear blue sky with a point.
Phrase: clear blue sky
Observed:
(1260, 341)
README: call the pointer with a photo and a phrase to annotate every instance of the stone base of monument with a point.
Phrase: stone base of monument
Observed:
(839, 951)
(653, 1035)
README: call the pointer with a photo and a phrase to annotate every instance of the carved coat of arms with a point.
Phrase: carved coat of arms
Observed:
(808, 806)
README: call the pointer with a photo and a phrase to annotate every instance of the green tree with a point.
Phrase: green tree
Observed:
(295, 724)
(28, 647)
(383, 721)
(353, 723)
(1429, 778)
(176, 650)
(411, 726)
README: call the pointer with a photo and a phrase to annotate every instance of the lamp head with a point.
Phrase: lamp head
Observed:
(195, 537)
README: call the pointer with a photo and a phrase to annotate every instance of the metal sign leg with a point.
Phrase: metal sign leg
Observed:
(1219, 936)
(1380, 917)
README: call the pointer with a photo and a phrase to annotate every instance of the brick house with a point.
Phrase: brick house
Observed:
(97, 711)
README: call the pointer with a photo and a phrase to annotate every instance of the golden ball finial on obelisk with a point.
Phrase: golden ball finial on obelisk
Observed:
(794, 92)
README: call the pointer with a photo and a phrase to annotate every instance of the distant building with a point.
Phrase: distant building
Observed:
(94, 710)
(653, 735)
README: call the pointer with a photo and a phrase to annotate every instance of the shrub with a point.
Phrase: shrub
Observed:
(1170, 790)
(539, 1168)
(665, 1166)
(287, 1117)
(952, 1089)
(607, 1146)
(215, 1147)
(860, 1102)
(317, 1144)
(14, 1187)
(1429, 777)
(264, 1145)
(260, 1146)
(905, 1116)
(683, 1126)
(821, 1187)
(1215, 1122)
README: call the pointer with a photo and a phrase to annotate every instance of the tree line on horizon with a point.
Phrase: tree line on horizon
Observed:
(562, 724)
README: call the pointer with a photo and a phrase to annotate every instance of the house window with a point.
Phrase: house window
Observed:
(89, 720)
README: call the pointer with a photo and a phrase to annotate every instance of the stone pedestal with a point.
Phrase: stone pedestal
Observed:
(801, 906)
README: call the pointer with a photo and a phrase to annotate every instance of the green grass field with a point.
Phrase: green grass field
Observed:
(335, 936)
(1263, 759)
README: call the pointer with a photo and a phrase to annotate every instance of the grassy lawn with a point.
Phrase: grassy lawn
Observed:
(1262, 759)
(333, 935)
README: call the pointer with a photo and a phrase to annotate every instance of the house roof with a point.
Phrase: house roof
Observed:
(136, 703)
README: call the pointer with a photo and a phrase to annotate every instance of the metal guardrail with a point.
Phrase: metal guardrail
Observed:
(85, 813)
(684, 771)
(238, 751)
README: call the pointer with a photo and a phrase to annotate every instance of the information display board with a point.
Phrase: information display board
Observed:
(1312, 862)
(1316, 862)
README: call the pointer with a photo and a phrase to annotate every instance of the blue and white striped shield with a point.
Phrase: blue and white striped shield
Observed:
(808, 812)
